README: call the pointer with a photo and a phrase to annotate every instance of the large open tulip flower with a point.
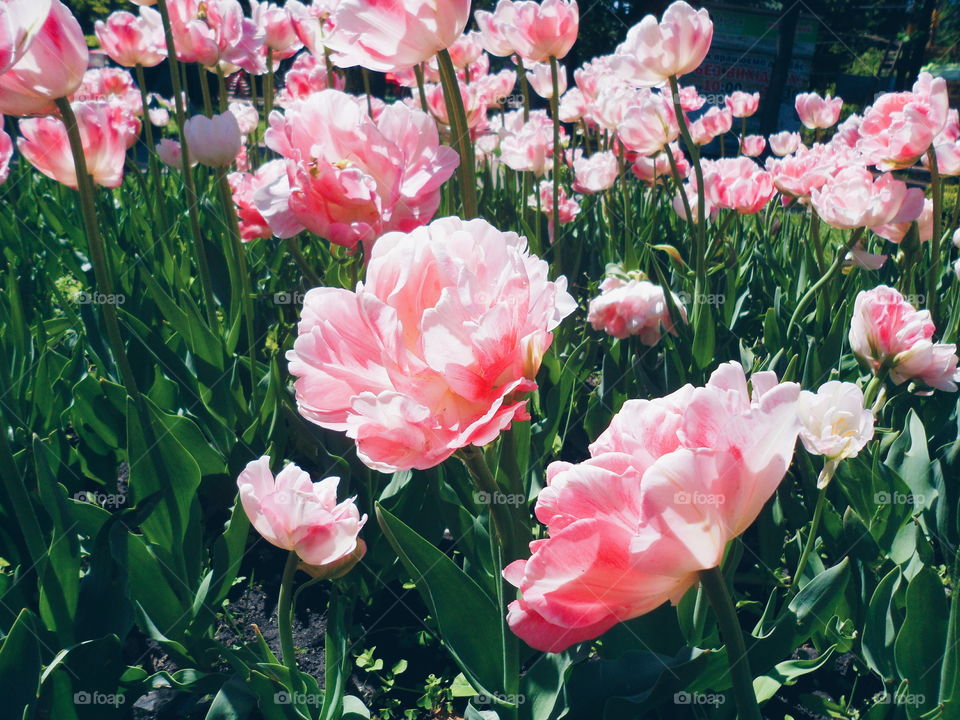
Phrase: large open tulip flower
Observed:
(437, 349)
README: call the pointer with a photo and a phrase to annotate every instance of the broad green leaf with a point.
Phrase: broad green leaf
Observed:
(919, 647)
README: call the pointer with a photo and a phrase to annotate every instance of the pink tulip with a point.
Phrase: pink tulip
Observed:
(159, 117)
(215, 141)
(589, 76)
(6, 153)
(280, 36)
(573, 106)
(595, 173)
(649, 169)
(306, 76)
(690, 99)
(530, 149)
(818, 112)
(437, 350)
(888, 333)
(785, 142)
(20, 21)
(313, 22)
(656, 51)
(215, 33)
(540, 31)
(649, 124)
(390, 36)
(248, 119)
(833, 421)
(853, 198)
(244, 186)
(666, 487)
(569, 208)
(113, 84)
(914, 208)
(493, 28)
(737, 184)
(797, 175)
(540, 78)
(716, 121)
(107, 131)
(350, 178)
(741, 104)
(296, 514)
(472, 97)
(637, 307)
(752, 145)
(948, 158)
(494, 90)
(466, 51)
(614, 98)
(690, 190)
(51, 66)
(900, 127)
(132, 40)
(171, 153)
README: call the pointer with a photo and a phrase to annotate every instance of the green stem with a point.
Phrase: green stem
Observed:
(694, 150)
(151, 148)
(715, 586)
(297, 254)
(557, 149)
(246, 300)
(827, 276)
(269, 84)
(473, 458)
(817, 242)
(814, 529)
(524, 88)
(461, 132)
(203, 266)
(935, 270)
(366, 89)
(421, 88)
(285, 621)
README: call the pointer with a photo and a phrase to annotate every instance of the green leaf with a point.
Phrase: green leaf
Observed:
(880, 628)
(20, 663)
(233, 702)
(468, 621)
(919, 646)
(786, 673)
(816, 599)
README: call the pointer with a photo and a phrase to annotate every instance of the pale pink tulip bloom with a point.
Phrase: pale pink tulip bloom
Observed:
(848, 132)
(6, 153)
(243, 186)
(215, 33)
(818, 112)
(350, 178)
(247, 116)
(948, 158)
(833, 421)
(466, 51)
(113, 84)
(956, 238)
(493, 28)
(107, 131)
(888, 333)
(666, 487)
(390, 36)
(540, 78)
(296, 514)
(649, 124)
(541, 30)
(742, 104)
(474, 105)
(530, 149)
(690, 99)
(313, 22)
(215, 141)
(595, 173)
(159, 117)
(637, 307)
(590, 75)
(753, 145)
(656, 51)
(785, 142)
(854, 198)
(798, 174)
(51, 66)
(915, 208)
(716, 121)
(280, 35)
(737, 184)
(614, 98)
(494, 90)
(649, 169)
(900, 127)
(20, 21)
(171, 153)
(573, 106)
(435, 351)
(568, 207)
(132, 40)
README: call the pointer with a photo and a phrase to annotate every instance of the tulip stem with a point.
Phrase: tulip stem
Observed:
(934, 271)
(825, 278)
(206, 280)
(817, 242)
(285, 621)
(461, 133)
(524, 88)
(97, 250)
(815, 523)
(715, 586)
(694, 150)
(557, 149)
(268, 85)
(473, 458)
(151, 148)
(421, 88)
